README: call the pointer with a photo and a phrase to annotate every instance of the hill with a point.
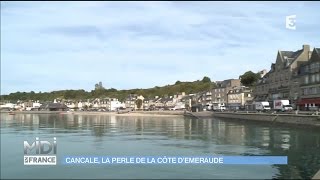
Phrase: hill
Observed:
(168, 90)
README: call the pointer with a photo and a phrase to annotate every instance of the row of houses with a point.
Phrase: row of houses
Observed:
(102, 104)
(228, 92)
(166, 102)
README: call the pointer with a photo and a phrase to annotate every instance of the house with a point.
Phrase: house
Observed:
(219, 94)
(204, 97)
(238, 97)
(309, 80)
(279, 82)
(115, 104)
(179, 96)
(187, 100)
(158, 103)
(53, 107)
(105, 103)
(31, 105)
(146, 104)
(130, 101)
(8, 106)
(72, 105)
(96, 103)
(84, 105)
(168, 102)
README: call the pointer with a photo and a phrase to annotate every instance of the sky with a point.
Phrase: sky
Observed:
(49, 46)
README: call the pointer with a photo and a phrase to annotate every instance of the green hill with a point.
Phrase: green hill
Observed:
(168, 90)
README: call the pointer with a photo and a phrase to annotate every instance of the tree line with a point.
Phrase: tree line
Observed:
(169, 90)
(247, 79)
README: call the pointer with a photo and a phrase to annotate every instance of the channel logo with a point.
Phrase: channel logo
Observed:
(40, 152)
(291, 22)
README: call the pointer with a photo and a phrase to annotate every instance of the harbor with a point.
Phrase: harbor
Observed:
(103, 134)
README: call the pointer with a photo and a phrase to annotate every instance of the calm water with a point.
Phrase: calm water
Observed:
(156, 136)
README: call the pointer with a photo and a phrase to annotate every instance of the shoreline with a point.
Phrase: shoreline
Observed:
(132, 113)
(284, 119)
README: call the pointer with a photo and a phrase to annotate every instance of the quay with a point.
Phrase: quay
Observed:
(289, 119)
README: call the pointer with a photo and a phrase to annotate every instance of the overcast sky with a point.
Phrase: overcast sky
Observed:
(48, 46)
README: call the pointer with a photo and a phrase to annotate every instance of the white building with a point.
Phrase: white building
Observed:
(115, 104)
(8, 105)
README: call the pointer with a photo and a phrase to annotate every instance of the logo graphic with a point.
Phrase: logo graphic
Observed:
(291, 22)
(38, 153)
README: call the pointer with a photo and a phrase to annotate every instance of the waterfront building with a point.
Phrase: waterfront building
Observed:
(309, 78)
(219, 94)
(238, 97)
(53, 107)
(279, 83)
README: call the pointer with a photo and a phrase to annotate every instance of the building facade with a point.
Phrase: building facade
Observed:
(309, 76)
(219, 94)
(238, 97)
(279, 82)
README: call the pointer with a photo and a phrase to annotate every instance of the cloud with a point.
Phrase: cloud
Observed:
(67, 45)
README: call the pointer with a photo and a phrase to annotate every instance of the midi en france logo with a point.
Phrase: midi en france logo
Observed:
(40, 152)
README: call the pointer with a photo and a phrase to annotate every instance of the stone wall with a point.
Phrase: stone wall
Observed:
(307, 120)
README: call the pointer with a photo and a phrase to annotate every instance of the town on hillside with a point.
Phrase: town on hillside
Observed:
(292, 83)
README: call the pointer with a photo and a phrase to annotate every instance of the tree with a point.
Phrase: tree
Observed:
(249, 78)
(178, 82)
(206, 79)
(139, 103)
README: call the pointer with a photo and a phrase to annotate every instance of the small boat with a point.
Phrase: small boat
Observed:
(11, 113)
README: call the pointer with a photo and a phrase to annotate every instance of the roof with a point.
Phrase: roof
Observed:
(288, 57)
(166, 99)
(317, 51)
(53, 105)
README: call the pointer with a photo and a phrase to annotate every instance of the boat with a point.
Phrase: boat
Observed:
(123, 110)
(11, 113)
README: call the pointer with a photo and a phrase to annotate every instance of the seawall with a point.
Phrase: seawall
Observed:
(303, 120)
(292, 119)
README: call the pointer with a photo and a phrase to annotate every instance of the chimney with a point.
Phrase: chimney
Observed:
(306, 47)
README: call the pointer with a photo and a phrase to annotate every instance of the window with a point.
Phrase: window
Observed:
(313, 90)
(313, 78)
(317, 67)
(317, 77)
(306, 79)
(306, 69)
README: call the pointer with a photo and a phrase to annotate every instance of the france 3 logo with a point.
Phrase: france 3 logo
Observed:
(291, 22)
(40, 152)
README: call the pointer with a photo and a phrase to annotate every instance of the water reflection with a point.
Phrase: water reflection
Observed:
(206, 136)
